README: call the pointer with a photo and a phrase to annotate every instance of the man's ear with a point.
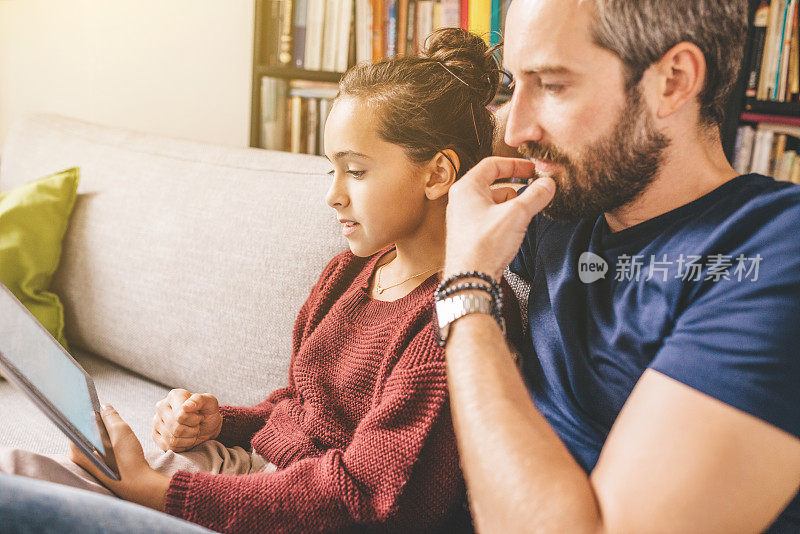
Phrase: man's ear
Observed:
(443, 172)
(681, 76)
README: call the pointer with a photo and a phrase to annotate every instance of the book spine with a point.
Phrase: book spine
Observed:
(300, 21)
(794, 57)
(451, 13)
(402, 26)
(437, 16)
(795, 176)
(465, 14)
(343, 34)
(424, 21)
(285, 51)
(494, 36)
(324, 109)
(411, 29)
(363, 30)
(377, 30)
(312, 127)
(331, 37)
(391, 28)
(768, 61)
(784, 44)
(757, 54)
(296, 144)
(480, 18)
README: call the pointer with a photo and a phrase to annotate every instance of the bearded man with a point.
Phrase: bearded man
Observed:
(660, 385)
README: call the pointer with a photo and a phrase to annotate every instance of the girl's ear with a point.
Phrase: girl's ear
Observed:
(443, 172)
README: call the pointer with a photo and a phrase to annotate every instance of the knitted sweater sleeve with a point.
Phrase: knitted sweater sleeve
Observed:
(399, 473)
(240, 423)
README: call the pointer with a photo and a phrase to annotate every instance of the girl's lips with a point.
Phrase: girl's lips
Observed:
(348, 230)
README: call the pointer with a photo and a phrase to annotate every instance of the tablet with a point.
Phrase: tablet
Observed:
(38, 365)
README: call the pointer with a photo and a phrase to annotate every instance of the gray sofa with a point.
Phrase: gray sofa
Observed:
(184, 265)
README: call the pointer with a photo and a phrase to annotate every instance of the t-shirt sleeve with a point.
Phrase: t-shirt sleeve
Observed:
(738, 339)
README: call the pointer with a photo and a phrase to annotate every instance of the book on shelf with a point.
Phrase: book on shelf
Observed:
(332, 35)
(774, 73)
(293, 114)
(768, 149)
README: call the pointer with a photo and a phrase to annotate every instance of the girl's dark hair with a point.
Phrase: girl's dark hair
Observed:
(433, 101)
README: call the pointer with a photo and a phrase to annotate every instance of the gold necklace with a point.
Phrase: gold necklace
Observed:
(381, 289)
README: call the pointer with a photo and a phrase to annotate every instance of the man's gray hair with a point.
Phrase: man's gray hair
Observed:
(640, 32)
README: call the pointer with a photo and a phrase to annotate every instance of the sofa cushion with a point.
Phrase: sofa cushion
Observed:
(134, 397)
(184, 262)
(33, 220)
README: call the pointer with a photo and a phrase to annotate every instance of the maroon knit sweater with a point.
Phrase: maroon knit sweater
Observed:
(362, 436)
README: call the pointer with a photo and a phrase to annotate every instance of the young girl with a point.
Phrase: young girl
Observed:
(361, 437)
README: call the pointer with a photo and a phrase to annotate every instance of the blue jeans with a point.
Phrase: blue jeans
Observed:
(32, 506)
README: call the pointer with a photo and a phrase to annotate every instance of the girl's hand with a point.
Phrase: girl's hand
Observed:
(139, 482)
(184, 420)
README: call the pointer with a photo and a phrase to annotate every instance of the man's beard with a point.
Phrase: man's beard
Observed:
(609, 173)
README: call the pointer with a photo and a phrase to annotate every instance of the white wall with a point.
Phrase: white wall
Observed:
(175, 67)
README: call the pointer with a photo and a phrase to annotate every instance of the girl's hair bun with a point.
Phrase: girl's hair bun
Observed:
(466, 57)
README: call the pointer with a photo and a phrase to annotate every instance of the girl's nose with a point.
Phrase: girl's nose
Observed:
(336, 196)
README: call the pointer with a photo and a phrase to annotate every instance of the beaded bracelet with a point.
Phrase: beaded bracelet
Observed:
(496, 292)
(445, 290)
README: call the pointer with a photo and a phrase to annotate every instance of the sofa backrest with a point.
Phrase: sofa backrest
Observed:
(184, 262)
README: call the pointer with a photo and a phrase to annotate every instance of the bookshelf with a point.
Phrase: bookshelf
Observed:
(276, 56)
(779, 119)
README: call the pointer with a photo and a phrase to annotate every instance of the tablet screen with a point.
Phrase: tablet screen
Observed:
(26, 345)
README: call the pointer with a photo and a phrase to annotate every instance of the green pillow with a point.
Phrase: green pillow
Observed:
(33, 221)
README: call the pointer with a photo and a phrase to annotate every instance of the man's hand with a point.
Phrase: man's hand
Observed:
(138, 482)
(184, 420)
(485, 229)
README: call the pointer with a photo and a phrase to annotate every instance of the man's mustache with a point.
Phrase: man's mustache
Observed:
(544, 153)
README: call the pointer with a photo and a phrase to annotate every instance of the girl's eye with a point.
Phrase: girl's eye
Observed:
(331, 172)
(356, 174)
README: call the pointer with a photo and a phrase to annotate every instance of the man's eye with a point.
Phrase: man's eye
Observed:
(356, 174)
(553, 88)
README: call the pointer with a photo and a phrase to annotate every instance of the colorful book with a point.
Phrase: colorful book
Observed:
(494, 36)
(784, 45)
(757, 54)
(480, 18)
(769, 63)
(464, 11)
(378, 30)
(391, 28)
(402, 26)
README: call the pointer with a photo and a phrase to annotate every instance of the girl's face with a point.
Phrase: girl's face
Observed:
(377, 191)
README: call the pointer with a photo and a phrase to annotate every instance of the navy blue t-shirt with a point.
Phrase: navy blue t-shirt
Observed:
(707, 294)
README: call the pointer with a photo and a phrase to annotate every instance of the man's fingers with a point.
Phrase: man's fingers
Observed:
(503, 194)
(536, 197)
(488, 170)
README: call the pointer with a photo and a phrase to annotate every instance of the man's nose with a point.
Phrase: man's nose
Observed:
(523, 123)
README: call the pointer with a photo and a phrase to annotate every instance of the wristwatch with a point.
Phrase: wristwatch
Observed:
(453, 308)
